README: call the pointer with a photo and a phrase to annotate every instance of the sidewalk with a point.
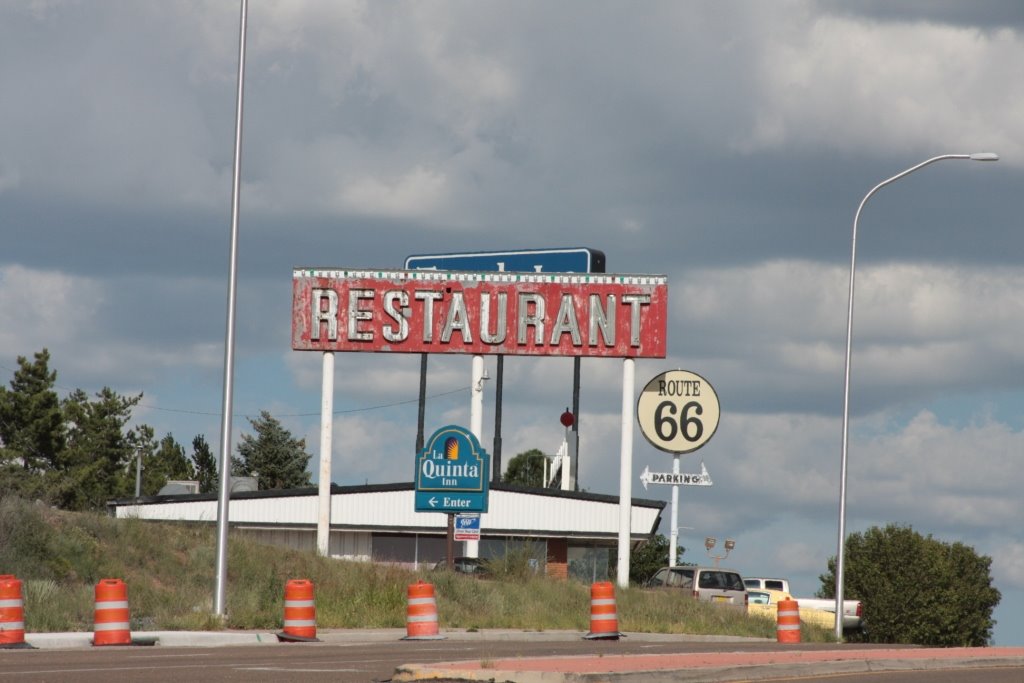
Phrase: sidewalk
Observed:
(719, 666)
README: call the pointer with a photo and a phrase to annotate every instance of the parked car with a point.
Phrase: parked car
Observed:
(464, 565)
(710, 584)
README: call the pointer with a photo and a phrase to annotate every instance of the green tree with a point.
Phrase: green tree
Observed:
(650, 557)
(31, 426)
(526, 469)
(205, 465)
(916, 589)
(278, 460)
(98, 462)
(167, 462)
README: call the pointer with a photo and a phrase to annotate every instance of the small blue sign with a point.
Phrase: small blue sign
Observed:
(452, 473)
(467, 527)
(574, 260)
(467, 522)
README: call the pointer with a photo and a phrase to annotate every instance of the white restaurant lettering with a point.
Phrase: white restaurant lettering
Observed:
(524, 314)
(325, 313)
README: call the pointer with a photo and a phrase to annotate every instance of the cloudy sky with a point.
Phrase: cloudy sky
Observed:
(725, 145)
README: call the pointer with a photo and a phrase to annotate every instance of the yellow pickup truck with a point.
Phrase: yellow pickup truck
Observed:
(765, 603)
(853, 610)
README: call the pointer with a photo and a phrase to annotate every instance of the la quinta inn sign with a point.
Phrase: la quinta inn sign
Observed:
(452, 473)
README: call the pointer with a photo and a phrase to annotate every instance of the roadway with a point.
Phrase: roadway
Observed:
(524, 657)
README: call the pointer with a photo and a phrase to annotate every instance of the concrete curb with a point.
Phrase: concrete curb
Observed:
(44, 641)
(220, 638)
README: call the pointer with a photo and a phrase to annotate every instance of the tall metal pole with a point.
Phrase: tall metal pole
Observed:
(841, 542)
(229, 341)
(576, 422)
(476, 425)
(626, 470)
(476, 398)
(323, 518)
(422, 411)
(674, 531)
(496, 454)
(138, 472)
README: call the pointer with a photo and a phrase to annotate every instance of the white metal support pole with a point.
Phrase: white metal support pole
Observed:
(224, 496)
(674, 534)
(573, 439)
(476, 424)
(138, 472)
(626, 470)
(476, 403)
(323, 522)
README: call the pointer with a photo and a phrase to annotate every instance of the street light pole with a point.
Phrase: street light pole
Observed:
(224, 497)
(978, 156)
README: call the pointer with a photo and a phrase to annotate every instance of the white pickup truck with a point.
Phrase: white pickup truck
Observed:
(853, 610)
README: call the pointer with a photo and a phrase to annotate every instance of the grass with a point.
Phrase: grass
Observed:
(170, 573)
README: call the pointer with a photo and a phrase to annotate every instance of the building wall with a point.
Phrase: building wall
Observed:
(563, 535)
(513, 513)
(348, 545)
(558, 558)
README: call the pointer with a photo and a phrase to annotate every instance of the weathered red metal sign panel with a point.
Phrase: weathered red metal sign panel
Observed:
(542, 314)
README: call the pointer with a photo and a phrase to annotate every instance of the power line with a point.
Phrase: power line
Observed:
(310, 414)
(336, 412)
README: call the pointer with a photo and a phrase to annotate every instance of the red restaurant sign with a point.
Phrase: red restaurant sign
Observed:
(420, 311)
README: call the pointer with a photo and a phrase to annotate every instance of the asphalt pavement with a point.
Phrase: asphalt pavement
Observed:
(700, 658)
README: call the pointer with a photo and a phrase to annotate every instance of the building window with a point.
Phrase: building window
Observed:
(409, 549)
(589, 563)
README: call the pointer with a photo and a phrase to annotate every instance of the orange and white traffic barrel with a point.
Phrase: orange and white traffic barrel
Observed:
(299, 611)
(604, 618)
(111, 623)
(787, 626)
(421, 613)
(12, 612)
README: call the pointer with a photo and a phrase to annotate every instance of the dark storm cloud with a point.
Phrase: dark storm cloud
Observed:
(988, 14)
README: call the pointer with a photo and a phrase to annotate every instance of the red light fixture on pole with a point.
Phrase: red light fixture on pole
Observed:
(567, 418)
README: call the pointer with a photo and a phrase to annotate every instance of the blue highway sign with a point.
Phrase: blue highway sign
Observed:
(574, 260)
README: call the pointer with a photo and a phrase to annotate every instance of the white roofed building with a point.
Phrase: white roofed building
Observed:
(564, 531)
